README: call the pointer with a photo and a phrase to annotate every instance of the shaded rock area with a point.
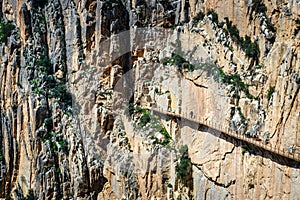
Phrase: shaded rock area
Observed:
(78, 79)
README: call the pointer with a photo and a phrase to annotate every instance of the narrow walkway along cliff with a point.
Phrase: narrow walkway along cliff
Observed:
(160, 99)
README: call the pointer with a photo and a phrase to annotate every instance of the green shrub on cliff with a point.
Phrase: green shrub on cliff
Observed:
(199, 17)
(270, 92)
(251, 48)
(214, 16)
(297, 30)
(145, 119)
(8, 197)
(259, 6)
(183, 168)
(30, 196)
(39, 3)
(5, 31)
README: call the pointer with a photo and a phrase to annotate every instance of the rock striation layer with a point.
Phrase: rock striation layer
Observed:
(78, 79)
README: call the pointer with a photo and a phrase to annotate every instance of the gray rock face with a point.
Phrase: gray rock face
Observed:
(77, 76)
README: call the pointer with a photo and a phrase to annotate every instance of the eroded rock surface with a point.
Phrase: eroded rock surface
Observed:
(77, 78)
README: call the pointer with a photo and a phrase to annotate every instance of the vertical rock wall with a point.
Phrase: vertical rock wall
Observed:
(63, 137)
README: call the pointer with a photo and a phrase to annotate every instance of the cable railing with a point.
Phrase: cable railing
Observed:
(218, 127)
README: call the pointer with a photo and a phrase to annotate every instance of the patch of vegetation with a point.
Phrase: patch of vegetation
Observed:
(45, 84)
(30, 196)
(214, 16)
(297, 30)
(162, 130)
(259, 66)
(53, 146)
(63, 145)
(2, 159)
(58, 91)
(145, 118)
(5, 31)
(47, 137)
(131, 109)
(270, 26)
(235, 80)
(210, 68)
(129, 146)
(183, 64)
(199, 17)
(179, 61)
(244, 150)
(259, 6)
(45, 78)
(109, 4)
(109, 93)
(39, 3)
(270, 92)
(184, 167)
(56, 142)
(48, 123)
(251, 48)
(243, 118)
(58, 171)
(233, 31)
(43, 81)
(44, 65)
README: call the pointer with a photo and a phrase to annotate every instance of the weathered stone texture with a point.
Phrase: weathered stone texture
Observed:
(64, 135)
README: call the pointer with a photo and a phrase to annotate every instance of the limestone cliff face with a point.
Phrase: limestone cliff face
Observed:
(77, 78)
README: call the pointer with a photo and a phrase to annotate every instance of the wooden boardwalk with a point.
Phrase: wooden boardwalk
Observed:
(279, 151)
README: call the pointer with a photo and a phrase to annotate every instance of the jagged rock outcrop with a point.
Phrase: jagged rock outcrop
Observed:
(77, 78)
